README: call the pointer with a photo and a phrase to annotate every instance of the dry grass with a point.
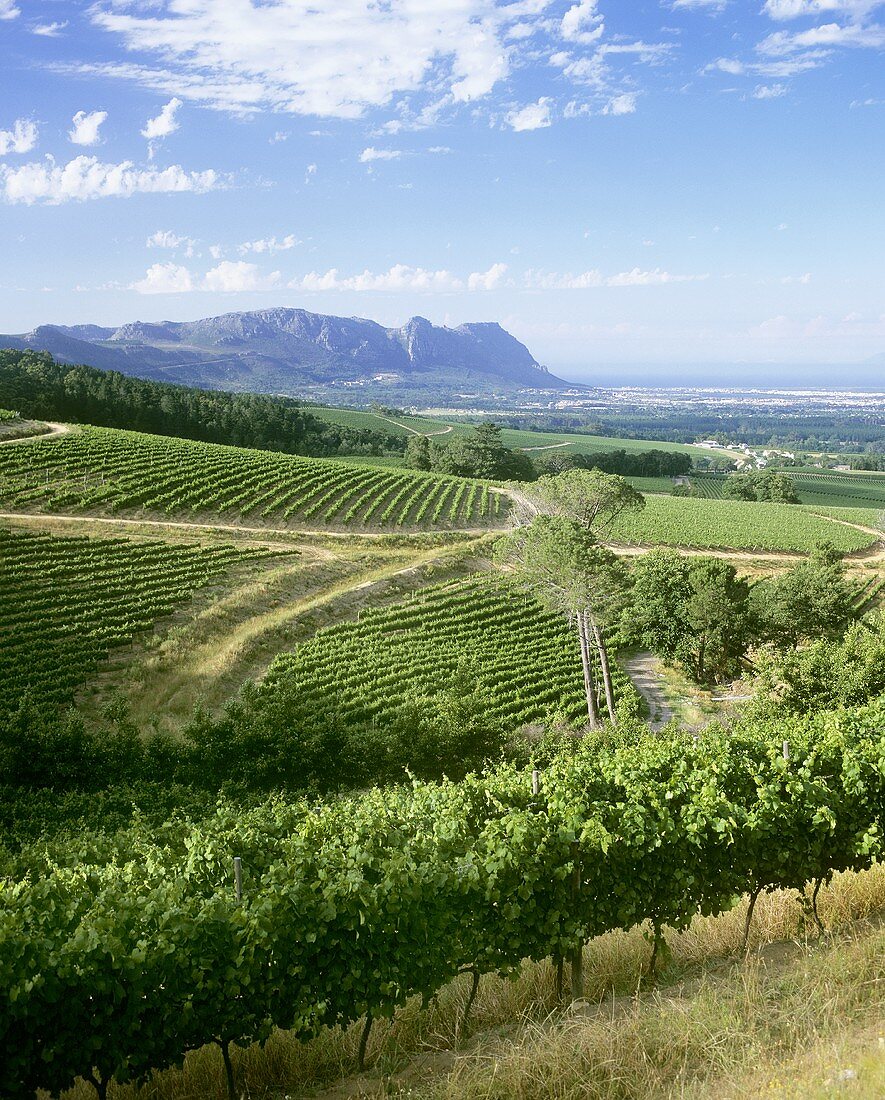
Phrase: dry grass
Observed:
(799, 1016)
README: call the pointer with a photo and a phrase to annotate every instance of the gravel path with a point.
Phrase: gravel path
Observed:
(642, 668)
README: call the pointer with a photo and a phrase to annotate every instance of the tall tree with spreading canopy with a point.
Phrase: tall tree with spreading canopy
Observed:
(590, 498)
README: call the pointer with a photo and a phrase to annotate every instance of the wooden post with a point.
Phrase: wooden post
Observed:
(786, 750)
(536, 781)
(238, 877)
(578, 953)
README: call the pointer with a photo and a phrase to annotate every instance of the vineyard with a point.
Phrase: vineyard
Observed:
(522, 659)
(735, 524)
(67, 602)
(827, 489)
(122, 953)
(120, 472)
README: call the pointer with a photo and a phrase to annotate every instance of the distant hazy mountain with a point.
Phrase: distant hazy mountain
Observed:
(292, 351)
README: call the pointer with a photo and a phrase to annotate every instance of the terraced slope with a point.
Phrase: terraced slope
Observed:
(524, 659)
(67, 602)
(104, 470)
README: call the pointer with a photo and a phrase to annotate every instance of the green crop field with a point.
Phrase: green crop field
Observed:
(826, 489)
(67, 602)
(394, 425)
(107, 470)
(535, 442)
(652, 484)
(525, 659)
(735, 525)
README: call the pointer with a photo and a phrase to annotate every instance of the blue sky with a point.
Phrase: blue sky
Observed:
(675, 182)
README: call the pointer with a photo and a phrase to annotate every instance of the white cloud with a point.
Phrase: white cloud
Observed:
(728, 65)
(326, 58)
(88, 178)
(270, 244)
(8, 10)
(701, 5)
(165, 123)
(534, 116)
(371, 153)
(624, 104)
(165, 279)
(487, 280)
(588, 280)
(769, 91)
(232, 276)
(165, 238)
(402, 277)
(582, 23)
(826, 36)
(20, 139)
(216, 251)
(310, 173)
(793, 9)
(49, 30)
(228, 277)
(86, 127)
(803, 279)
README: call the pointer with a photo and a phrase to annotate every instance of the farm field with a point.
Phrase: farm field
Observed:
(824, 489)
(108, 471)
(68, 602)
(734, 524)
(510, 437)
(523, 660)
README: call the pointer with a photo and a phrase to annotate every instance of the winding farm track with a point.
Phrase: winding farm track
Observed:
(55, 429)
(414, 431)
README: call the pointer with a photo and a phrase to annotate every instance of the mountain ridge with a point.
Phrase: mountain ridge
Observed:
(290, 350)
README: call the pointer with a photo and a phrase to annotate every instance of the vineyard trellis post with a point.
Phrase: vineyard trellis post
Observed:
(238, 878)
(578, 952)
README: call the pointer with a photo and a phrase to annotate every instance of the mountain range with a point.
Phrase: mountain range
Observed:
(292, 351)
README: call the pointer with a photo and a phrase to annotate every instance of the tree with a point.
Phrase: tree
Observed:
(811, 600)
(417, 453)
(562, 565)
(719, 621)
(692, 612)
(482, 454)
(655, 617)
(739, 487)
(590, 498)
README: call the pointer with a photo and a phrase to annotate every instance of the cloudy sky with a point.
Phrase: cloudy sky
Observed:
(675, 181)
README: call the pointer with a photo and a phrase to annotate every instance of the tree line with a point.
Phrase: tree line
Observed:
(483, 454)
(40, 387)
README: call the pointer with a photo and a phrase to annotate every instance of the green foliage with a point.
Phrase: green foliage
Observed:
(651, 463)
(765, 485)
(479, 454)
(121, 953)
(691, 611)
(810, 601)
(591, 498)
(417, 453)
(730, 524)
(103, 469)
(48, 390)
(824, 674)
